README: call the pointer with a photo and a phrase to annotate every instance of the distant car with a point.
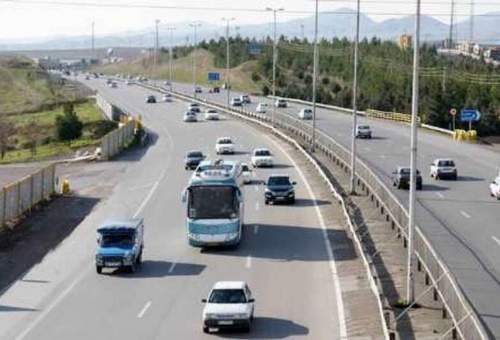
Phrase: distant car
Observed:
(246, 172)
(281, 103)
(261, 108)
(236, 101)
(262, 158)
(129, 82)
(495, 188)
(166, 83)
(197, 89)
(363, 131)
(211, 114)
(119, 245)
(306, 114)
(150, 99)
(279, 188)
(194, 107)
(229, 305)
(443, 168)
(401, 178)
(190, 117)
(214, 89)
(167, 97)
(245, 99)
(109, 81)
(224, 145)
(113, 84)
(193, 159)
(87, 77)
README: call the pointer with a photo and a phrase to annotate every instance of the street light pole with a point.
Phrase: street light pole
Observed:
(410, 283)
(156, 50)
(275, 58)
(93, 41)
(170, 52)
(355, 102)
(228, 70)
(194, 25)
(315, 76)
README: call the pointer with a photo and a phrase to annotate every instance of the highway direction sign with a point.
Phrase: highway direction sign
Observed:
(213, 76)
(470, 115)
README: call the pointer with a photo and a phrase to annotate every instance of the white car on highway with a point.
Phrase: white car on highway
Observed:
(246, 173)
(262, 157)
(280, 103)
(224, 145)
(245, 99)
(236, 101)
(211, 114)
(229, 305)
(363, 131)
(306, 114)
(194, 107)
(261, 108)
(443, 168)
(190, 117)
(167, 97)
(495, 188)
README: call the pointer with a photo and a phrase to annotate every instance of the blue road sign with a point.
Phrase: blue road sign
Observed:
(254, 48)
(213, 76)
(470, 115)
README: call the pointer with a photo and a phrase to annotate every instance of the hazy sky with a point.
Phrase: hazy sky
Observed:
(22, 19)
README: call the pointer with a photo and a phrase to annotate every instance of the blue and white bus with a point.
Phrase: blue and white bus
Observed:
(215, 204)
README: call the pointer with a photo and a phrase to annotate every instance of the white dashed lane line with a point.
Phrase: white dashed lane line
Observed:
(440, 195)
(144, 310)
(248, 263)
(172, 267)
(464, 214)
(497, 241)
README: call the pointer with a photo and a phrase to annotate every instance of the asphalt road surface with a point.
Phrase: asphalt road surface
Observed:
(282, 255)
(459, 218)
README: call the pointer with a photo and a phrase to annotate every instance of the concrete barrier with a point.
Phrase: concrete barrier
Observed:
(21, 196)
(117, 140)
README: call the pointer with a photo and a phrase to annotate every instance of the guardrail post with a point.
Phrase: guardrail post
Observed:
(435, 295)
(454, 333)
(444, 313)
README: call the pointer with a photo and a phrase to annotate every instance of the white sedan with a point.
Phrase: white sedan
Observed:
(261, 108)
(229, 305)
(262, 157)
(224, 145)
(495, 188)
(246, 172)
(211, 114)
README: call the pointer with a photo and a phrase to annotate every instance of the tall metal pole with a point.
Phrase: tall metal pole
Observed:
(275, 58)
(355, 102)
(93, 41)
(228, 69)
(410, 283)
(155, 59)
(452, 14)
(195, 25)
(315, 76)
(302, 31)
(471, 28)
(170, 55)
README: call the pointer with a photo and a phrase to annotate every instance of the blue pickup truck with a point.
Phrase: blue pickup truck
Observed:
(120, 244)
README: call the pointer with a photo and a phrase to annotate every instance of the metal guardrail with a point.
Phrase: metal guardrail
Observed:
(465, 321)
(20, 196)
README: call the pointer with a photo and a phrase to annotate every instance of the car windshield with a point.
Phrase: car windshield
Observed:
(406, 171)
(364, 127)
(446, 163)
(211, 111)
(227, 296)
(121, 239)
(262, 153)
(195, 154)
(283, 180)
(213, 202)
(224, 141)
(245, 168)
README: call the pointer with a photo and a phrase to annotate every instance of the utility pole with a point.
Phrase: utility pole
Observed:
(410, 282)
(275, 57)
(171, 30)
(157, 43)
(302, 31)
(92, 41)
(315, 76)
(452, 14)
(228, 69)
(355, 102)
(471, 28)
(194, 25)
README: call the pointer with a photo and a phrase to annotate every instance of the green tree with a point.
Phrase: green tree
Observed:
(68, 125)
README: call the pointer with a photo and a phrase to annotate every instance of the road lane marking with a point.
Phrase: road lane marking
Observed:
(496, 240)
(329, 251)
(172, 267)
(256, 188)
(440, 195)
(257, 207)
(464, 214)
(144, 310)
(255, 229)
(248, 263)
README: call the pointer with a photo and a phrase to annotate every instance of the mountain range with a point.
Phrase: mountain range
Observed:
(338, 23)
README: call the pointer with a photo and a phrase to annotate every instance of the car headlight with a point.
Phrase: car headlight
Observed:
(129, 257)
(209, 316)
(98, 258)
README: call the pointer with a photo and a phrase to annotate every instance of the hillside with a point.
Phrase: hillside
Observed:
(182, 70)
(24, 87)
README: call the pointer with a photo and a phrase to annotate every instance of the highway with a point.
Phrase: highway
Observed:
(282, 256)
(459, 218)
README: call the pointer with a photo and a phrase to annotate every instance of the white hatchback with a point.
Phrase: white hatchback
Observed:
(229, 305)
(262, 157)
(306, 114)
(224, 145)
(211, 114)
(261, 108)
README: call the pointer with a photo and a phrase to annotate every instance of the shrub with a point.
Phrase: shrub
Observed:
(68, 125)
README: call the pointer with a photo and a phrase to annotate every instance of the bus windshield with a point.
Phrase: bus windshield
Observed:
(210, 202)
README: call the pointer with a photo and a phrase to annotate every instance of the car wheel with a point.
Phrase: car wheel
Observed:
(131, 268)
(455, 177)
(419, 187)
(267, 202)
(205, 329)
(436, 177)
(98, 269)
(246, 328)
(292, 201)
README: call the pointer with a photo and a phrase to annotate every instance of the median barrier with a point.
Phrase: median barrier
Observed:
(19, 197)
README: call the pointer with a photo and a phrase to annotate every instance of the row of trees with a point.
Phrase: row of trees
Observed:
(385, 77)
